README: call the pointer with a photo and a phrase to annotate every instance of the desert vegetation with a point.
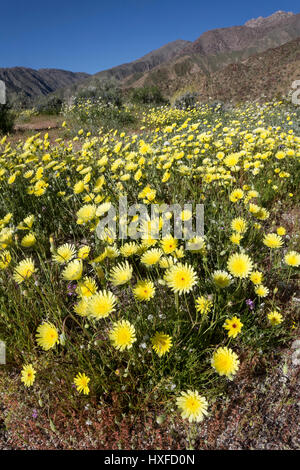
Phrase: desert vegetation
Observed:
(148, 322)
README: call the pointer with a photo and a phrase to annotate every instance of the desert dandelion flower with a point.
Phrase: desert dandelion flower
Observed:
(144, 290)
(64, 253)
(292, 258)
(87, 287)
(81, 382)
(256, 277)
(47, 336)
(221, 279)
(169, 244)
(122, 335)
(181, 278)
(28, 241)
(161, 343)
(151, 257)
(239, 225)
(203, 305)
(28, 375)
(81, 308)
(102, 304)
(225, 362)
(272, 240)
(5, 259)
(73, 271)
(239, 265)
(121, 274)
(24, 270)
(261, 291)
(192, 406)
(275, 318)
(233, 326)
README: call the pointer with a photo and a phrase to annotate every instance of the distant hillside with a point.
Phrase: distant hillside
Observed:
(266, 75)
(216, 49)
(33, 83)
(223, 62)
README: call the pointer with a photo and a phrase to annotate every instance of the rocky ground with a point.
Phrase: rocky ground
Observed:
(260, 410)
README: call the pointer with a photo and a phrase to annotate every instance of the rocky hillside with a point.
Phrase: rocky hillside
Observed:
(33, 83)
(215, 50)
(268, 74)
(231, 63)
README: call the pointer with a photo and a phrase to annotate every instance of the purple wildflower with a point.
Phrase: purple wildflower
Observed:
(250, 303)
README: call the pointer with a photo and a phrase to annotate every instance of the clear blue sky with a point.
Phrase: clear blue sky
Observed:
(93, 35)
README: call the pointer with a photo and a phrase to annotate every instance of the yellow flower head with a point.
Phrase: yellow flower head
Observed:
(161, 343)
(28, 241)
(128, 249)
(144, 290)
(221, 278)
(121, 274)
(169, 244)
(24, 270)
(28, 375)
(84, 252)
(73, 271)
(272, 240)
(225, 362)
(86, 213)
(233, 326)
(192, 406)
(203, 305)
(181, 278)
(47, 336)
(5, 259)
(239, 225)
(102, 304)
(81, 381)
(81, 308)
(239, 265)
(64, 253)
(151, 257)
(122, 335)
(292, 258)
(261, 291)
(236, 195)
(256, 277)
(275, 318)
(281, 231)
(87, 287)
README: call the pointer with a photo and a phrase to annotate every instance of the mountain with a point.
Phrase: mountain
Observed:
(33, 83)
(145, 63)
(221, 62)
(262, 76)
(216, 49)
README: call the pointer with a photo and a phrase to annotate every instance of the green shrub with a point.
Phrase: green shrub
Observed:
(107, 91)
(187, 100)
(91, 115)
(148, 95)
(7, 119)
(50, 105)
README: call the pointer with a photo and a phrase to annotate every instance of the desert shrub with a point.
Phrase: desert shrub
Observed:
(51, 104)
(187, 100)
(7, 119)
(91, 115)
(107, 91)
(148, 95)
